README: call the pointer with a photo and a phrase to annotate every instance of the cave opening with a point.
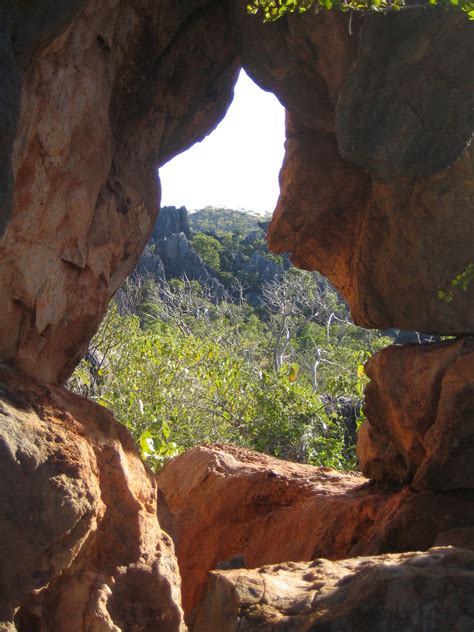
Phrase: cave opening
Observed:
(237, 165)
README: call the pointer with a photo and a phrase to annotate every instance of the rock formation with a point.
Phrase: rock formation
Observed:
(382, 593)
(80, 545)
(420, 427)
(371, 229)
(169, 253)
(222, 502)
(376, 193)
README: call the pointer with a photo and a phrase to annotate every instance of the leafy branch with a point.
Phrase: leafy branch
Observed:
(272, 10)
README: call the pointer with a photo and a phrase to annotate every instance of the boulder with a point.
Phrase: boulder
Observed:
(422, 592)
(420, 416)
(406, 109)
(80, 542)
(225, 505)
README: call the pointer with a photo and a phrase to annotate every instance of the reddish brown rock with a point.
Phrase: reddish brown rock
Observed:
(98, 95)
(114, 93)
(388, 246)
(426, 592)
(420, 415)
(223, 505)
(80, 542)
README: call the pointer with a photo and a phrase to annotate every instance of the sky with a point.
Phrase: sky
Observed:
(237, 165)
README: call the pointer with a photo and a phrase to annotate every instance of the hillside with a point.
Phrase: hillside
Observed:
(225, 220)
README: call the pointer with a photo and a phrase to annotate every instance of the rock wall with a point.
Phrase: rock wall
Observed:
(420, 410)
(227, 507)
(376, 193)
(80, 542)
(99, 104)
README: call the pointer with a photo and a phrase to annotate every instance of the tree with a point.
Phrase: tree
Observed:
(209, 249)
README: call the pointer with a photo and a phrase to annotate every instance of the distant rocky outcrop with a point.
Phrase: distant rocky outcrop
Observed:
(169, 253)
(171, 221)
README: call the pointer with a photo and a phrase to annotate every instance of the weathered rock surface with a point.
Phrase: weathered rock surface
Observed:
(422, 592)
(373, 238)
(222, 503)
(98, 94)
(391, 119)
(111, 92)
(171, 221)
(420, 410)
(169, 253)
(80, 542)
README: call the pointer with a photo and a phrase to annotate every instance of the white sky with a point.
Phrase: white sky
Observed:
(237, 165)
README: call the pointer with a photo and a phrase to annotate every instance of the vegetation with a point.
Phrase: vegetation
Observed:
(179, 369)
(460, 282)
(275, 9)
(224, 220)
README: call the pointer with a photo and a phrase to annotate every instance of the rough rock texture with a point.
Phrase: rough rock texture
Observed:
(105, 98)
(169, 253)
(80, 542)
(420, 410)
(426, 592)
(405, 236)
(407, 108)
(222, 503)
(171, 221)
(98, 94)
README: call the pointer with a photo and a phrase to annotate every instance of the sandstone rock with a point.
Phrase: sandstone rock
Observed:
(113, 90)
(222, 502)
(420, 411)
(373, 239)
(422, 592)
(80, 542)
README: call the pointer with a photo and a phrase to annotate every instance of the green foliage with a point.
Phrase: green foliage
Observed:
(224, 220)
(208, 248)
(460, 282)
(272, 10)
(188, 371)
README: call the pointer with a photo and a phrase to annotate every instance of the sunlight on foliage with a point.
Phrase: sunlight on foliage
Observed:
(460, 282)
(272, 10)
(179, 370)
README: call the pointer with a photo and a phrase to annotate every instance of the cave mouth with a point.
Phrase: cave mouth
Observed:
(236, 166)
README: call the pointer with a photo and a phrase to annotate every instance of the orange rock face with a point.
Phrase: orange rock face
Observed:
(226, 506)
(120, 89)
(420, 405)
(80, 542)
(360, 200)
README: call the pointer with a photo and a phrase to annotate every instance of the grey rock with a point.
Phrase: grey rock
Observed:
(171, 220)
(407, 107)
